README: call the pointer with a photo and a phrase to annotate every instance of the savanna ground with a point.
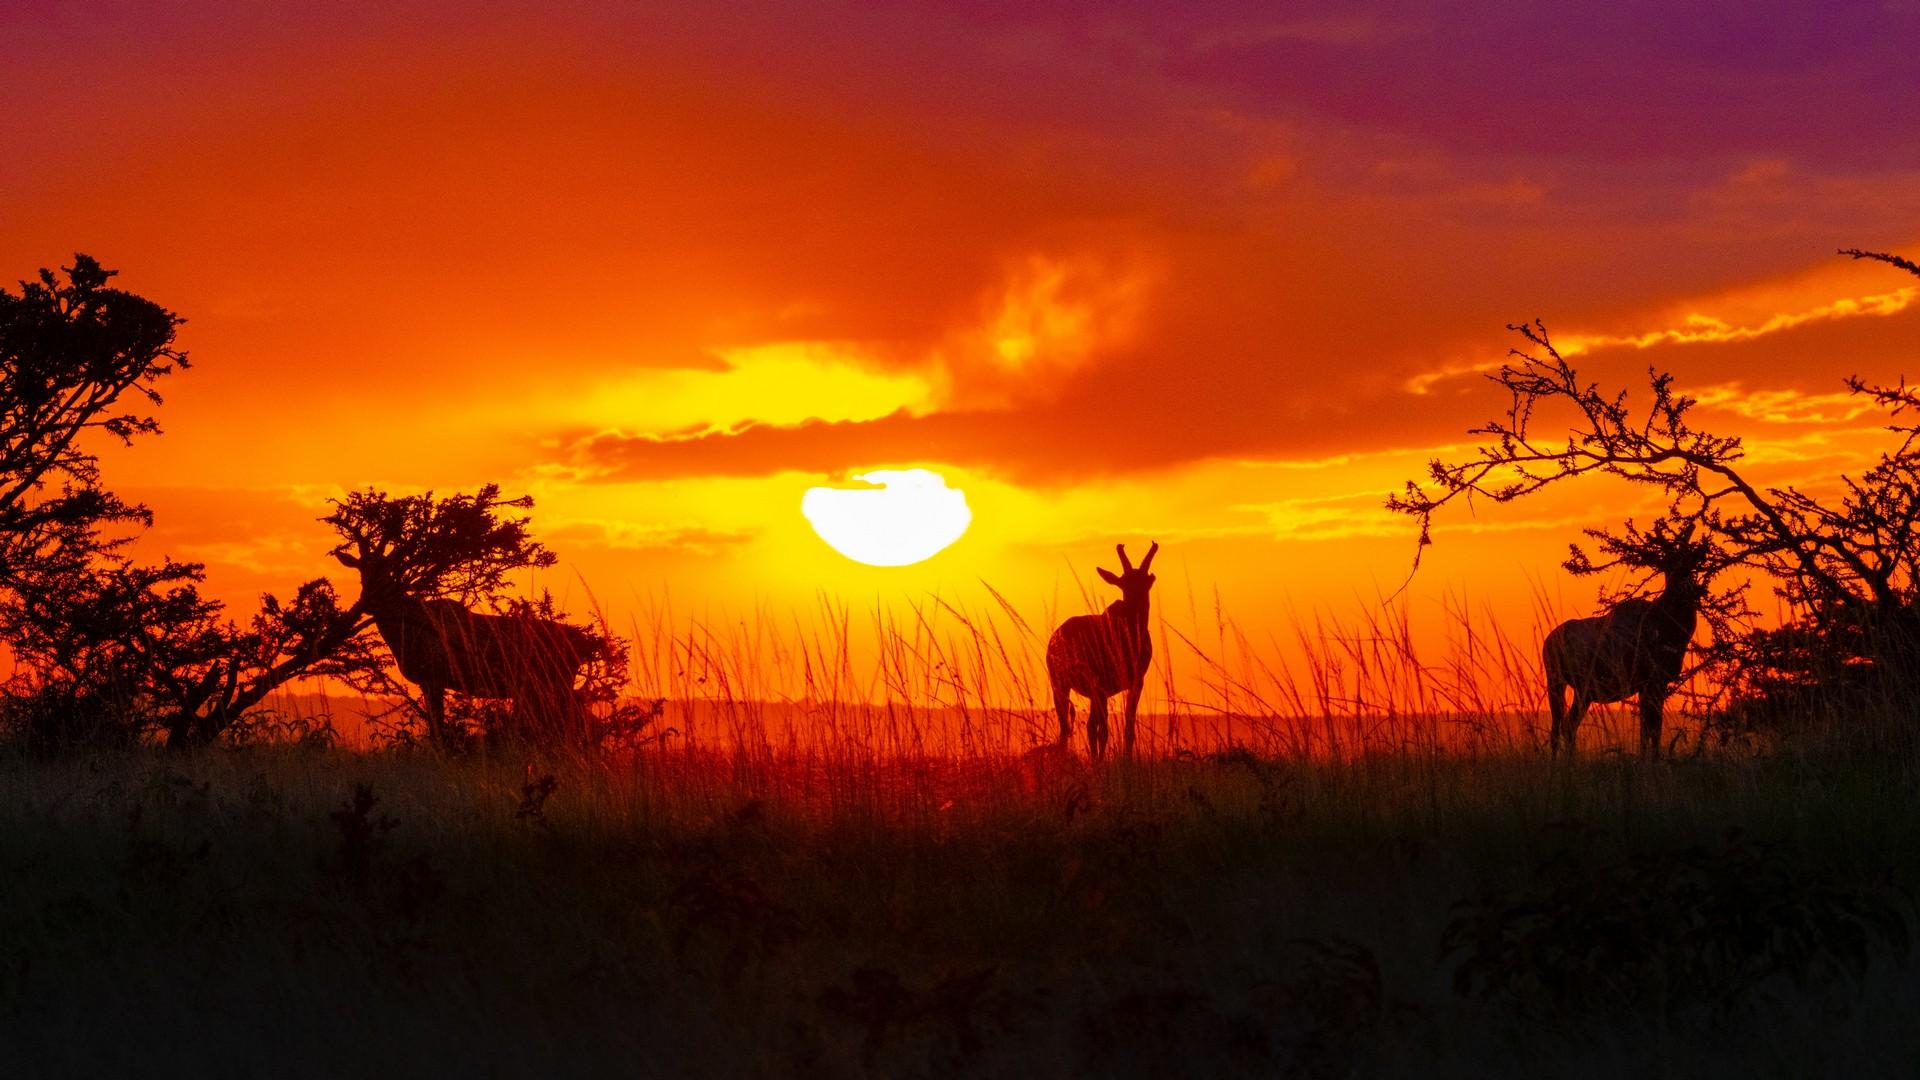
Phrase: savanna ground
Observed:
(306, 910)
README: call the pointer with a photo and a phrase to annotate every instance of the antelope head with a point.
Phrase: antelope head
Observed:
(380, 587)
(1134, 582)
(1685, 562)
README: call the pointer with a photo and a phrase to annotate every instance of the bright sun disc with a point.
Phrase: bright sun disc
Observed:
(903, 516)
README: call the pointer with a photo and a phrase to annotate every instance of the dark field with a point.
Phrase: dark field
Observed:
(283, 911)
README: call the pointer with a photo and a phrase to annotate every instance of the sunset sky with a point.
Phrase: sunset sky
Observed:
(1220, 278)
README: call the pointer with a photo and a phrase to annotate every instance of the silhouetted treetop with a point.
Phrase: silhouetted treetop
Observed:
(1558, 427)
(70, 351)
(461, 547)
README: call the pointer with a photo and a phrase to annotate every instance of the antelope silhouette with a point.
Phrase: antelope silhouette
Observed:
(1635, 650)
(1097, 656)
(439, 645)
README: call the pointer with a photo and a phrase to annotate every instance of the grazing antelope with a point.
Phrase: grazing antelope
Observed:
(1634, 650)
(439, 645)
(1100, 655)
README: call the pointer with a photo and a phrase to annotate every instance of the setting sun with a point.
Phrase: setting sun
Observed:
(902, 517)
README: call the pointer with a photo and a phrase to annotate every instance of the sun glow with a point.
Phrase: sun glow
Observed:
(901, 517)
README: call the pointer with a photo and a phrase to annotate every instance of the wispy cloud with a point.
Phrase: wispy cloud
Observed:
(1699, 328)
(1359, 515)
(1784, 406)
(651, 536)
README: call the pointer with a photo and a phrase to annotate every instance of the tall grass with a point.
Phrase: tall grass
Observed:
(946, 677)
(942, 677)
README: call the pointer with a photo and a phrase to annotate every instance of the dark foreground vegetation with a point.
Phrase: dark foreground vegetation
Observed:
(282, 911)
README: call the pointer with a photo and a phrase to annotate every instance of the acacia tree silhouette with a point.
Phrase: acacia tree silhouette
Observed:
(1847, 564)
(71, 349)
(104, 647)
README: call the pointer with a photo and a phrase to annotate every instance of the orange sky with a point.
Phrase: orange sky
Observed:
(1216, 278)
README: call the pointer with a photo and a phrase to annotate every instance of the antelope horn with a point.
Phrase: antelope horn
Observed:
(1151, 552)
(1126, 564)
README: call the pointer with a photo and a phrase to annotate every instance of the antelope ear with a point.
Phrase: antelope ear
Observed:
(1108, 576)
